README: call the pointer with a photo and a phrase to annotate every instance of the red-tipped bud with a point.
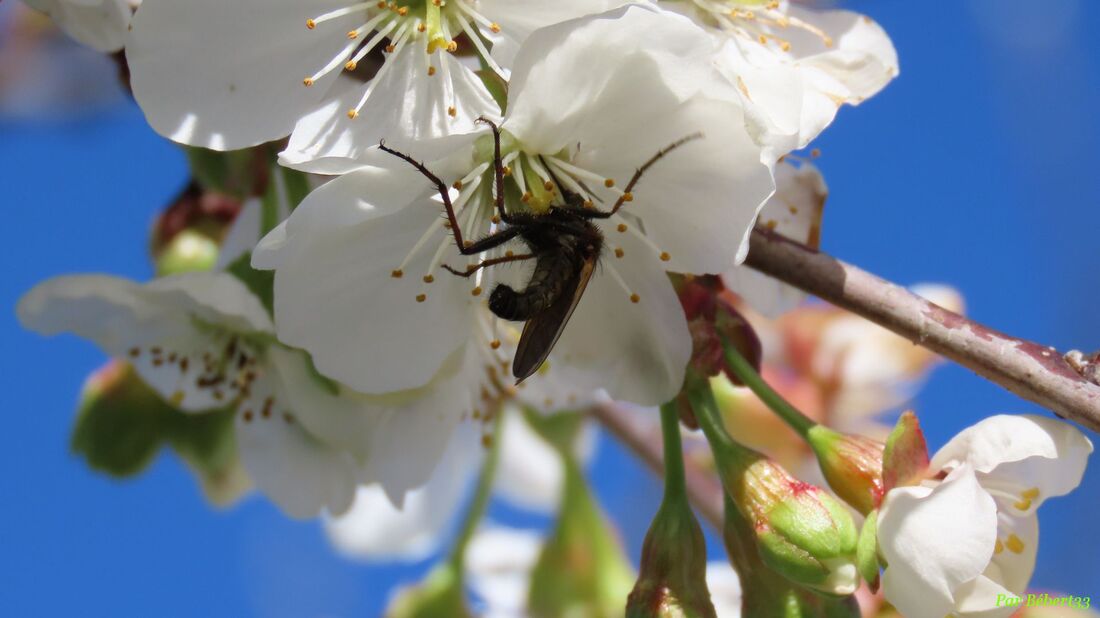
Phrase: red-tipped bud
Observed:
(852, 465)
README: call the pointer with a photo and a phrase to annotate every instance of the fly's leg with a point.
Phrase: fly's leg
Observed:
(638, 176)
(490, 262)
(498, 170)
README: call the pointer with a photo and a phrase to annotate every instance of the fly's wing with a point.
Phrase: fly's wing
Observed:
(542, 331)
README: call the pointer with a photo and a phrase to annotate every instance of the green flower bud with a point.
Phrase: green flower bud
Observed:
(440, 594)
(801, 531)
(851, 464)
(672, 582)
(188, 251)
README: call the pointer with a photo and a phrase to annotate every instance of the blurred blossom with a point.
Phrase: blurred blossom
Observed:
(45, 74)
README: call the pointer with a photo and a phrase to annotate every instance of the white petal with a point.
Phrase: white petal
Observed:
(405, 106)
(1024, 451)
(155, 327)
(935, 540)
(301, 474)
(636, 351)
(243, 234)
(978, 598)
(530, 473)
(376, 529)
(519, 18)
(228, 75)
(335, 295)
(794, 211)
(725, 589)
(499, 561)
(99, 24)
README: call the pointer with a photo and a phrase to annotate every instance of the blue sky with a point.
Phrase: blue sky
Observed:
(977, 167)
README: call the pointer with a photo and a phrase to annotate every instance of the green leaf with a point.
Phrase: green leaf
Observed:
(496, 86)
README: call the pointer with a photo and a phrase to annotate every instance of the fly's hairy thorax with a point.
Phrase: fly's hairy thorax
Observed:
(561, 243)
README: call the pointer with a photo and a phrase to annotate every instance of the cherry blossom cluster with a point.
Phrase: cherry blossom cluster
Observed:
(349, 334)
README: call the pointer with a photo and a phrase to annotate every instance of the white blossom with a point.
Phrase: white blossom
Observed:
(262, 69)
(359, 280)
(970, 533)
(798, 65)
(203, 341)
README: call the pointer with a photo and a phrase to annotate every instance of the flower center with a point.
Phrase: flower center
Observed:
(763, 21)
(224, 368)
(533, 183)
(433, 24)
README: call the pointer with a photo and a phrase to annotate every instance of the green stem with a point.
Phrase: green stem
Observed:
(745, 372)
(482, 493)
(710, 421)
(675, 481)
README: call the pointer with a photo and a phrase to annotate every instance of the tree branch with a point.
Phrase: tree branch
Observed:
(629, 426)
(1032, 371)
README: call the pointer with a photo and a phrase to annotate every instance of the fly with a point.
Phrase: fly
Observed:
(564, 242)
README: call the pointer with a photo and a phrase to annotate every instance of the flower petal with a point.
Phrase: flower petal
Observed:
(405, 107)
(725, 589)
(1014, 556)
(377, 529)
(519, 18)
(297, 471)
(335, 293)
(1024, 452)
(155, 327)
(240, 83)
(982, 597)
(935, 540)
(499, 561)
(795, 211)
(637, 351)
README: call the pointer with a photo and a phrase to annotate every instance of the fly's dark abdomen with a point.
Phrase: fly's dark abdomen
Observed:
(553, 271)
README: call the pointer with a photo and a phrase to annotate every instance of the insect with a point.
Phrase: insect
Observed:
(564, 243)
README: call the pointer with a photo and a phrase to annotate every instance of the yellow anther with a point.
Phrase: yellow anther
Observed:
(609, 182)
(311, 24)
(457, 185)
(495, 27)
(634, 298)
(1014, 544)
(496, 219)
(421, 298)
(619, 252)
(452, 46)
(507, 170)
(431, 71)
(999, 547)
(353, 34)
(452, 112)
(509, 253)
(1030, 494)
(785, 46)
(526, 197)
(487, 440)
(421, 27)
(549, 186)
(307, 82)
(495, 344)
(1022, 505)
(381, 4)
(665, 256)
(177, 398)
(350, 66)
(476, 291)
(628, 197)
(763, 40)
(403, 11)
(390, 48)
(428, 278)
(397, 274)
(589, 204)
(467, 243)
(621, 227)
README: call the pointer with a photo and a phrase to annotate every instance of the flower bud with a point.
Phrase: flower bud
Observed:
(440, 594)
(712, 319)
(188, 251)
(852, 465)
(801, 531)
(765, 592)
(672, 581)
